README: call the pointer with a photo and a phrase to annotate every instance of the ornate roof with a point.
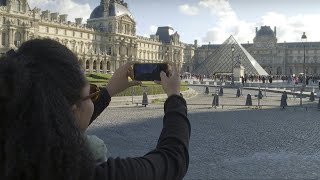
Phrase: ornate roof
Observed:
(165, 33)
(3, 3)
(265, 31)
(115, 9)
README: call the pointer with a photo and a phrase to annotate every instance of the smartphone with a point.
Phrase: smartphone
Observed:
(149, 71)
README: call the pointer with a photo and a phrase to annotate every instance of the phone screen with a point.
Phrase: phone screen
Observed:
(149, 71)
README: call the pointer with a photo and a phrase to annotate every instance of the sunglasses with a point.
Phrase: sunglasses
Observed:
(94, 93)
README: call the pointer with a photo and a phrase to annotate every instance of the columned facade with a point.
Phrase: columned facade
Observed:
(276, 58)
(107, 41)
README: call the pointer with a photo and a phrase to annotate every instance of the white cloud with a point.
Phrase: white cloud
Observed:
(289, 29)
(153, 29)
(227, 23)
(188, 10)
(73, 9)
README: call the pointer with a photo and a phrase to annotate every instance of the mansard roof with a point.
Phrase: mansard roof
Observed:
(295, 45)
(165, 33)
(3, 2)
(265, 31)
(115, 9)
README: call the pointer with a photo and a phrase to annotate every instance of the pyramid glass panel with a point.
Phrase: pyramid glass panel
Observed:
(220, 61)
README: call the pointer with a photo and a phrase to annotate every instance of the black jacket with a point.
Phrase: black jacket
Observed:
(170, 158)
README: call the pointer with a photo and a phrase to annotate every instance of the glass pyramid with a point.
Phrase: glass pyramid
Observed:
(220, 61)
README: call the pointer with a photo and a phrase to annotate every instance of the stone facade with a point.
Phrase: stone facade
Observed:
(105, 42)
(276, 58)
(109, 39)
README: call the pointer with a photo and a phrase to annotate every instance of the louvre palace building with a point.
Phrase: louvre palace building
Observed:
(108, 39)
(286, 58)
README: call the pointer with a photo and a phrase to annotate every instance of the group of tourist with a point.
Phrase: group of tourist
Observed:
(254, 78)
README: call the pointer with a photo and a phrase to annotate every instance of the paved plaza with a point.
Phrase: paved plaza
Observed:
(233, 142)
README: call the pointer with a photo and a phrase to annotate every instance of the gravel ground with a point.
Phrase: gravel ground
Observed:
(233, 142)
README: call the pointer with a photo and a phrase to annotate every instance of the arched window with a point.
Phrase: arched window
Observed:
(101, 66)
(81, 47)
(18, 6)
(110, 27)
(94, 65)
(102, 49)
(17, 39)
(4, 39)
(279, 71)
(87, 65)
(108, 65)
(109, 51)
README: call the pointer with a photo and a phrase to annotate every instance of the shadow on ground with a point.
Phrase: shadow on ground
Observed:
(232, 144)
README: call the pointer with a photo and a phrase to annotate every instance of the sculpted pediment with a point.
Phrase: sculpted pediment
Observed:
(126, 18)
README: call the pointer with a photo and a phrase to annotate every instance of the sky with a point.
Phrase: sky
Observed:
(209, 21)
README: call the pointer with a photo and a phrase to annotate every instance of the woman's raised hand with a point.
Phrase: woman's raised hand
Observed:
(119, 81)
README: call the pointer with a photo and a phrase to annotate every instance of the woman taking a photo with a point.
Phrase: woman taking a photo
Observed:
(46, 104)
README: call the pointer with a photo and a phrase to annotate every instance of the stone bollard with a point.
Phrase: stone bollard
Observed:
(249, 100)
(260, 94)
(284, 98)
(312, 98)
(221, 91)
(238, 92)
(145, 99)
(207, 90)
(215, 101)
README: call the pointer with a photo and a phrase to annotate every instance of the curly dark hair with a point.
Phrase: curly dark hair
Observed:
(39, 139)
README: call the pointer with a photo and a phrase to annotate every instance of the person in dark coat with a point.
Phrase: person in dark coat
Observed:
(263, 79)
(270, 79)
(46, 105)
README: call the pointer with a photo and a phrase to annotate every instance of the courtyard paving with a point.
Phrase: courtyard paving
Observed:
(233, 142)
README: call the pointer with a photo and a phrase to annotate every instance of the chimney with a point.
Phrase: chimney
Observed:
(63, 18)
(45, 15)
(275, 31)
(78, 21)
(54, 16)
(196, 43)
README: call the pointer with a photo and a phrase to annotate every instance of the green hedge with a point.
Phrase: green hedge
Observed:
(151, 88)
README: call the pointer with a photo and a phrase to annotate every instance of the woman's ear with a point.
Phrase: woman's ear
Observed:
(73, 107)
(75, 111)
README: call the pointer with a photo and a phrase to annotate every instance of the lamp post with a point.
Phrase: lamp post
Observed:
(304, 40)
(232, 76)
